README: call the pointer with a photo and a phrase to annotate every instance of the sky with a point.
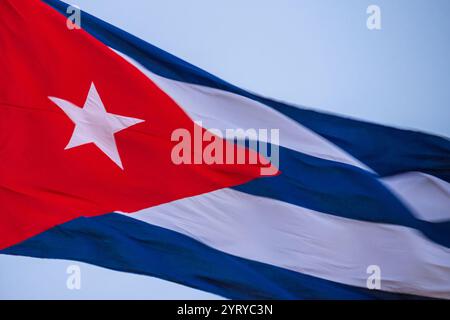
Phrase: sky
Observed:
(314, 53)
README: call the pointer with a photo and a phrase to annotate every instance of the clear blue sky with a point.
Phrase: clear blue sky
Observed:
(316, 53)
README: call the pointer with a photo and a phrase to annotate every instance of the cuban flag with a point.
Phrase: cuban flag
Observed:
(87, 121)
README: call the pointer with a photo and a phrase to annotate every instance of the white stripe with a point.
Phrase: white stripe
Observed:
(427, 197)
(313, 243)
(224, 110)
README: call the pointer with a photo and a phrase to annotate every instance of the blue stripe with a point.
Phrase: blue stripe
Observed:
(386, 150)
(121, 243)
(342, 190)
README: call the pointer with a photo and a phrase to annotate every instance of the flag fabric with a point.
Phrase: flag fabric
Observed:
(86, 118)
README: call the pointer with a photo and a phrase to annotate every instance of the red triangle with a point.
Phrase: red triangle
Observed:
(41, 183)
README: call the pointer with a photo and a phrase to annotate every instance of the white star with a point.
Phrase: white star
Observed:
(94, 124)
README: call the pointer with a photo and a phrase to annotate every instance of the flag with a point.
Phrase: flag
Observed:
(90, 119)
